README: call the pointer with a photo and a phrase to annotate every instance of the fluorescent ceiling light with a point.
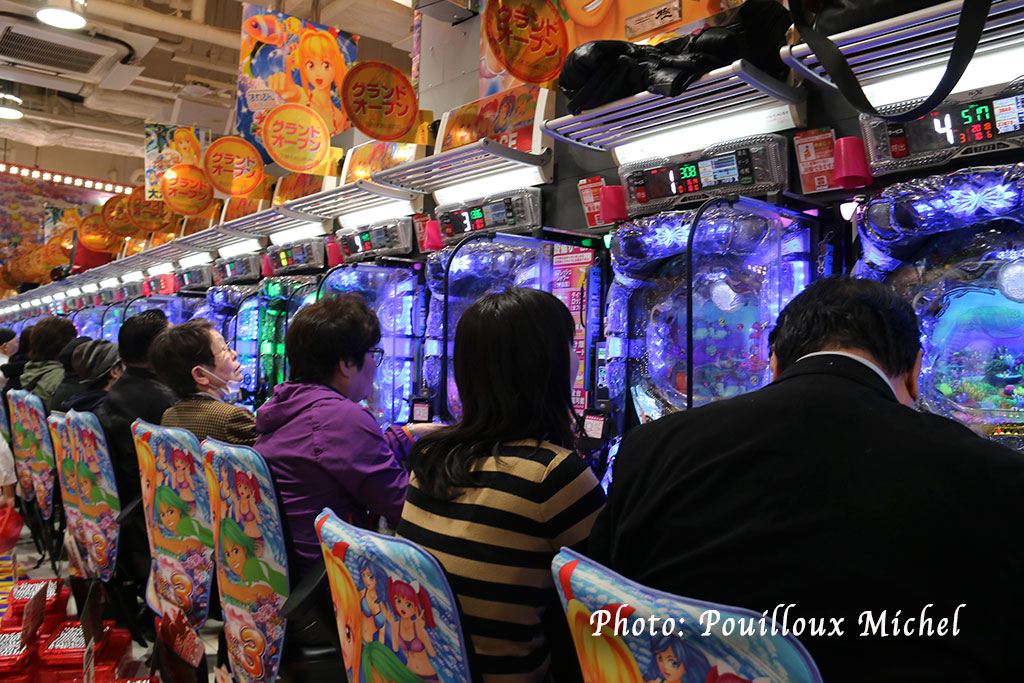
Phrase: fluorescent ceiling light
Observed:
(133, 276)
(66, 14)
(74, 291)
(301, 232)
(239, 248)
(195, 260)
(59, 296)
(27, 304)
(986, 69)
(10, 107)
(358, 219)
(90, 287)
(524, 176)
(161, 269)
(699, 134)
(36, 302)
(47, 299)
(109, 282)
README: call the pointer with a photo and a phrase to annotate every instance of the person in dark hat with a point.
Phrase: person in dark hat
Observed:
(72, 383)
(8, 347)
(98, 364)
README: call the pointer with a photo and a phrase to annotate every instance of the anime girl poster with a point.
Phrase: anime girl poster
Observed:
(75, 539)
(176, 503)
(287, 59)
(395, 613)
(252, 565)
(98, 501)
(684, 652)
(35, 449)
(167, 146)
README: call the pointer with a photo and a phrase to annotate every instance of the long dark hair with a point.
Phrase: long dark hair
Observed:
(512, 371)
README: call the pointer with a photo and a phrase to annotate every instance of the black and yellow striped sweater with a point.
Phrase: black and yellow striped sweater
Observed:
(496, 544)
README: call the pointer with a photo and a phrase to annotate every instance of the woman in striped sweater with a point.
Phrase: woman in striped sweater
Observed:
(496, 495)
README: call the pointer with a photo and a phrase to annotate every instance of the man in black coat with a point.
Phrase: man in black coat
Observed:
(136, 393)
(827, 492)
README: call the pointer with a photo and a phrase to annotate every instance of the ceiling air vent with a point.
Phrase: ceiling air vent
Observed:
(20, 48)
(39, 48)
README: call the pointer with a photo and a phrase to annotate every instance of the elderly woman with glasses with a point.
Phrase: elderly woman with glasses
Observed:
(323, 448)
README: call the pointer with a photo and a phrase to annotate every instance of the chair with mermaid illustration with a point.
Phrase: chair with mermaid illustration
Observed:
(75, 539)
(252, 571)
(396, 615)
(34, 465)
(593, 597)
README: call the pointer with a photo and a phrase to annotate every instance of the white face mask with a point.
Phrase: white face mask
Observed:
(226, 389)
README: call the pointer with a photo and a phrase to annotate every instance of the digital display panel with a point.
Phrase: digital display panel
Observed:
(379, 237)
(285, 258)
(721, 170)
(476, 218)
(692, 177)
(495, 214)
(955, 125)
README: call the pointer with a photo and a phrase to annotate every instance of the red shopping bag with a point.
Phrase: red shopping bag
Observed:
(10, 529)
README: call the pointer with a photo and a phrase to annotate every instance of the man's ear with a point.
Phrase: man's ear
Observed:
(345, 369)
(910, 378)
(200, 378)
(774, 365)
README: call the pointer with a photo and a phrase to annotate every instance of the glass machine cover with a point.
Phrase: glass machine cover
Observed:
(178, 309)
(398, 298)
(110, 325)
(223, 309)
(89, 321)
(953, 245)
(747, 266)
(479, 268)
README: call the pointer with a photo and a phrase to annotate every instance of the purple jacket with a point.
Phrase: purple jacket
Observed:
(325, 450)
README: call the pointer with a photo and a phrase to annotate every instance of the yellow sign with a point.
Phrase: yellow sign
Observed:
(145, 215)
(95, 235)
(233, 165)
(379, 100)
(528, 37)
(115, 216)
(186, 189)
(296, 137)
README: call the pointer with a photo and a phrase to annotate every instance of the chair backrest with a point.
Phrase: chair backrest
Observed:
(252, 561)
(176, 503)
(97, 491)
(5, 425)
(627, 651)
(36, 447)
(75, 538)
(369, 575)
(20, 446)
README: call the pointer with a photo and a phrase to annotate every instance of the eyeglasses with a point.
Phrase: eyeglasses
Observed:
(378, 355)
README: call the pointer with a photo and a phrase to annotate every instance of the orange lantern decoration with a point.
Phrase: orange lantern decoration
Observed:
(94, 235)
(135, 244)
(115, 216)
(53, 253)
(67, 241)
(6, 278)
(148, 216)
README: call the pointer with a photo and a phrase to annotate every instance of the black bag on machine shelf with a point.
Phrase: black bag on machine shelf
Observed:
(607, 70)
(836, 16)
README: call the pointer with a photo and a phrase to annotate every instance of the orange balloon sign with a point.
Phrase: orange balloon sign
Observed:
(233, 165)
(145, 215)
(94, 234)
(296, 137)
(115, 216)
(186, 189)
(528, 37)
(379, 100)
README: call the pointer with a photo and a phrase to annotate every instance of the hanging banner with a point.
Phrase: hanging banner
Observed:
(367, 158)
(115, 216)
(285, 59)
(233, 166)
(94, 234)
(297, 185)
(528, 40)
(168, 146)
(145, 215)
(528, 37)
(186, 189)
(512, 118)
(296, 137)
(380, 100)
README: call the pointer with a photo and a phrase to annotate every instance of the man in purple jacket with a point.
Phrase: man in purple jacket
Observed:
(323, 448)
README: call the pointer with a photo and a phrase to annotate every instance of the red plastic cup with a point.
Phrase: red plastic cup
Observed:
(432, 236)
(852, 169)
(613, 204)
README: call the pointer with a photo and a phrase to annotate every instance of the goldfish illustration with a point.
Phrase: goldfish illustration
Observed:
(265, 28)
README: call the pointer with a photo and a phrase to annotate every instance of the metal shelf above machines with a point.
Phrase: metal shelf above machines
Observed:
(900, 59)
(754, 101)
(473, 162)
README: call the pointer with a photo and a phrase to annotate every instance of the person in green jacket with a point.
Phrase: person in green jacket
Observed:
(43, 372)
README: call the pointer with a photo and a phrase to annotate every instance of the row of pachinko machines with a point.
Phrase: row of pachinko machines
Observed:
(748, 260)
